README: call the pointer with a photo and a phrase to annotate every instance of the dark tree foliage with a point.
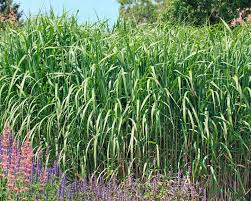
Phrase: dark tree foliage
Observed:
(196, 12)
(200, 12)
(8, 7)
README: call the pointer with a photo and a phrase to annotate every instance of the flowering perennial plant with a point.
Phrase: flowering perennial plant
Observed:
(244, 16)
(16, 164)
(24, 178)
(158, 188)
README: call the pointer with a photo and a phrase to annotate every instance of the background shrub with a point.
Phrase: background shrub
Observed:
(138, 10)
(197, 12)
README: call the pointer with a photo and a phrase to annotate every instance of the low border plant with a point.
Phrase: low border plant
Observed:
(23, 177)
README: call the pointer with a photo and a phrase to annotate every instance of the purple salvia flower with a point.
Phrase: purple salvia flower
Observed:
(39, 165)
(59, 190)
(49, 174)
(154, 186)
(62, 188)
(70, 192)
(32, 171)
(56, 171)
(193, 192)
(9, 150)
(130, 180)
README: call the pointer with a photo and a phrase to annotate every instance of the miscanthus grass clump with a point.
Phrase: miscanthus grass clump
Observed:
(133, 99)
(22, 177)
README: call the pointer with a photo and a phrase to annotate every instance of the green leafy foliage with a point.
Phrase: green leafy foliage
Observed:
(139, 10)
(197, 12)
(200, 12)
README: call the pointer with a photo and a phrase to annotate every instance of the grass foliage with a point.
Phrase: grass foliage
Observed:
(132, 99)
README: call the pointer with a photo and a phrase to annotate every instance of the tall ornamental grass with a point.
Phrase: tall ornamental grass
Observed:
(133, 100)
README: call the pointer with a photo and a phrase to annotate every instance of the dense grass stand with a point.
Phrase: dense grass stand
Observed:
(132, 100)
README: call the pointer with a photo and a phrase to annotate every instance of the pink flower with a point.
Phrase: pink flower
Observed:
(5, 148)
(43, 179)
(26, 164)
(243, 15)
(249, 17)
(239, 20)
(234, 22)
(13, 169)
